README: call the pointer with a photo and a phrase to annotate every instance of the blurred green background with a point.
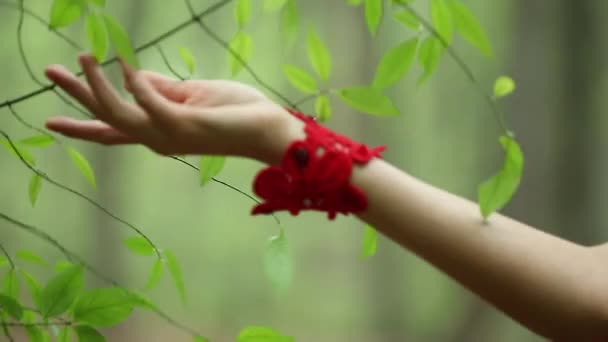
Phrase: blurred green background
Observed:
(446, 135)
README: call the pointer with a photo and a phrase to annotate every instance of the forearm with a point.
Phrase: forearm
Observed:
(548, 284)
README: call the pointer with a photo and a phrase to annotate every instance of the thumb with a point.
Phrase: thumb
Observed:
(170, 88)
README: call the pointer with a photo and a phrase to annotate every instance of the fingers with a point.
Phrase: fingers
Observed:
(174, 90)
(113, 108)
(72, 85)
(90, 130)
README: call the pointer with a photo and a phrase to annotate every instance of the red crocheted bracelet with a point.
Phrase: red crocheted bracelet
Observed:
(315, 174)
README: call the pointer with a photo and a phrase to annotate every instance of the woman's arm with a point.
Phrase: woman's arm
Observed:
(554, 287)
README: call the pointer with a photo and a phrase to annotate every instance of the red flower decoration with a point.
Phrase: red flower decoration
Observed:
(315, 174)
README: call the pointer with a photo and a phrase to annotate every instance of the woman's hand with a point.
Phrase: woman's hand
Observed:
(176, 117)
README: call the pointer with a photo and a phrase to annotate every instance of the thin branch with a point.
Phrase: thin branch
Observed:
(8, 256)
(145, 46)
(41, 233)
(168, 64)
(463, 66)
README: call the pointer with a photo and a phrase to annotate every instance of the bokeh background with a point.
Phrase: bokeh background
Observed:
(446, 135)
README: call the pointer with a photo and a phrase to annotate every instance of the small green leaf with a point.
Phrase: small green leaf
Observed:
(395, 63)
(33, 287)
(470, 28)
(241, 47)
(37, 334)
(354, 2)
(199, 339)
(442, 20)
(38, 141)
(11, 306)
(64, 13)
(188, 59)
(103, 307)
(155, 274)
(290, 22)
(407, 18)
(83, 165)
(277, 262)
(274, 5)
(262, 334)
(176, 274)
(34, 188)
(30, 256)
(370, 242)
(18, 151)
(210, 166)
(323, 108)
(61, 291)
(368, 100)
(11, 284)
(100, 3)
(64, 335)
(86, 333)
(429, 56)
(496, 192)
(503, 86)
(120, 41)
(373, 15)
(97, 36)
(139, 245)
(142, 302)
(3, 261)
(62, 265)
(300, 79)
(242, 12)
(318, 54)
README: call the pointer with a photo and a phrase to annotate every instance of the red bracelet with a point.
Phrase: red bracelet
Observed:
(315, 174)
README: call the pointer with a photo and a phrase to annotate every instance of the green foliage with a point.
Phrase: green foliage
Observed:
(38, 141)
(11, 306)
(97, 36)
(175, 271)
(242, 46)
(34, 189)
(290, 22)
(18, 151)
(188, 59)
(155, 274)
(33, 286)
(61, 291)
(442, 20)
(11, 286)
(64, 13)
(31, 257)
(370, 242)
(83, 166)
(395, 63)
(199, 339)
(373, 15)
(429, 56)
(103, 307)
(318, 54)
(242, 13)
(209, 167)
(120, 41)
(274, 5)
(139, 245)
(86, 333)
(300, 79)
(278, 263)
(503, 86)
(497, 191)
(469, 27)
(323, 108)
(407, 18)
(368, 100)
(262, 334)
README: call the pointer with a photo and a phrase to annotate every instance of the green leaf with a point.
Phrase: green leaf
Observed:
(262, 334)
(470, 28)
(395, 63)
(62, 265)
(497, 191)
(30, 256)
(241, 47)
(33, 287)
(323, 108)
(34, 188)
(86, 333)
(64, 13)
(503, 86)
(242, 12)
(300, 79)
(429, 56)
(100, 3)
(442, 20)
(407, 18)
(290, 22)
(274, 5)
(64, 335)
(370, 242)
(38, 141)
(37, 334)
(103, 307)
(18, 151)
(11, 284)
(97, 36)
(318, 54)
(83, 165)
(155, 274)
(142, 302)
(210, 166)
(120, 41)
(373, 15)
(11, 306)
(139, 245)
(368, 100)
(176, 274)
(277, 262)
(3, 261)
(354, 2)
(61, 291)
(188, 59)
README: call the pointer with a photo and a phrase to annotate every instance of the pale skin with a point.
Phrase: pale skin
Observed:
(555, 288)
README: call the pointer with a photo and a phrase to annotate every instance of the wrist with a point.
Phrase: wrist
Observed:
(278, 135)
